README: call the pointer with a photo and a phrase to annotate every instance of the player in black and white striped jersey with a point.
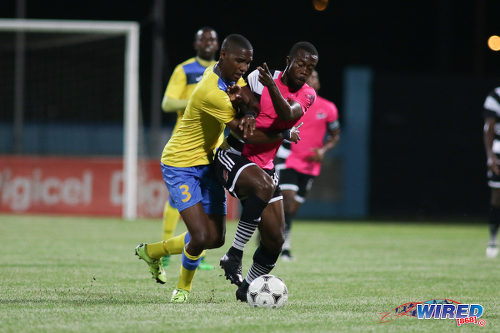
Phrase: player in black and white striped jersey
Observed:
(492, 145)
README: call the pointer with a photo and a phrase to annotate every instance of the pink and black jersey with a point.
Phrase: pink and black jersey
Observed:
(267, 120)
(323, 114)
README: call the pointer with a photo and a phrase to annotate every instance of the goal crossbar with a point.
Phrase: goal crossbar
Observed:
(131, 86)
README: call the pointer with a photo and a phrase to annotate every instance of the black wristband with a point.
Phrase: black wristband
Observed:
(287, 134)
(249, 113)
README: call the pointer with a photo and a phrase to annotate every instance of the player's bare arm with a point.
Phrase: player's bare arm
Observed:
(258, 136)
(235, 95)
(248, 108)
(286, 109)
(240, 102)
(489, 136)
(243, 99)
(331, 141)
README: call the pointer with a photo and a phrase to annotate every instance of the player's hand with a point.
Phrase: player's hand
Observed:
(247, 125)
(318, 155)
(265, 76)
(492, 164)
(294, 133)
(234, 93)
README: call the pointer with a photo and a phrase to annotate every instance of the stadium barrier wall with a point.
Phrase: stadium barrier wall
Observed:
(342, 189)
(80, 186)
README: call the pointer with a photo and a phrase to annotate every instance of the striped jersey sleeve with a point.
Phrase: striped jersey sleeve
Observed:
(253, 81)
(492, 104)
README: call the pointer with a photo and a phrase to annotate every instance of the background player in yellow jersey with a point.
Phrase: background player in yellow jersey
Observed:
(184, 79)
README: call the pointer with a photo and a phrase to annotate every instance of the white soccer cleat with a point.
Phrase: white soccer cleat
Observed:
(492, 250)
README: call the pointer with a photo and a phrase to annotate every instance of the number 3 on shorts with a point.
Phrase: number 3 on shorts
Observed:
(185, 191)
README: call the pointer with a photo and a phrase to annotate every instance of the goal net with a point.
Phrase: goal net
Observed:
(69, 119)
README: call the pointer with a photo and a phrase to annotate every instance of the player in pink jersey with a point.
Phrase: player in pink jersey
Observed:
(300, 163)
(247, 170)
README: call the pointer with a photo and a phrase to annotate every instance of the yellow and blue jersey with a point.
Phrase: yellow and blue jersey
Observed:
(203, 123)
(184, 79)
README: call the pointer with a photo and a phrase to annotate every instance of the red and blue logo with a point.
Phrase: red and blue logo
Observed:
(463, 313)
(438, 309)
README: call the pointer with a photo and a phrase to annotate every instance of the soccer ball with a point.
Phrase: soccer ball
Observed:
(267, 291)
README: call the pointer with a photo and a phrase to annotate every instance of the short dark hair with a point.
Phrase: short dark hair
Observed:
(236, 40)
(306, 46)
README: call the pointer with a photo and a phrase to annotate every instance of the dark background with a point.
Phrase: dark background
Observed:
(432, 71)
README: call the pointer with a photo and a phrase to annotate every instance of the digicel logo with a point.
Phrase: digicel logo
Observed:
(152, 194)
(45, 189)
(21, 192)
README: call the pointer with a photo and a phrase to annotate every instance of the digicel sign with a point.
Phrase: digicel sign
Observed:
(80, 186)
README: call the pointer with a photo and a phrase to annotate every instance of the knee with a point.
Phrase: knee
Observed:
(217, 240)
(213, 241)
(264, 188)
(200, 240)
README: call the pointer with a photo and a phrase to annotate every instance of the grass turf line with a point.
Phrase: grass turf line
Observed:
(60, 274)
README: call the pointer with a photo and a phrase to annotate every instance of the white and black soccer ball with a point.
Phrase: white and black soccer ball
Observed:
(267, 291)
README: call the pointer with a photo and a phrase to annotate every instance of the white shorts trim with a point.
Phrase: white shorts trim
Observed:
(276, 199)
(493, 184)
(299, 199)
(231, 189)
(290, 187)
(280, 166)
(496, 147)
(283, 152)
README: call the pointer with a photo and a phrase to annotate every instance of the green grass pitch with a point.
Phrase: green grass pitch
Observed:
(62, 274)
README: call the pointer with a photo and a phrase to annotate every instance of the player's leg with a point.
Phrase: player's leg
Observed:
(494, 222)
(183, 186)
(255, 187)
(195, 220)
(214, 204)
(271, 230)
(152, 253)
(205, 222)
(170, 218)
(295, 186)
(187, 187)
(290, 208)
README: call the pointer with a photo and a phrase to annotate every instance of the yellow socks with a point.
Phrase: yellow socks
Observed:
(170, 219)
(172, 246)
(189, 265)
(175, 245)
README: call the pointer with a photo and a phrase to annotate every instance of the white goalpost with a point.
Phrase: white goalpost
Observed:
(130, 30)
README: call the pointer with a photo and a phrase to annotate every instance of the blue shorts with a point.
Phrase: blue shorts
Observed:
(171, 202)
(188, 186)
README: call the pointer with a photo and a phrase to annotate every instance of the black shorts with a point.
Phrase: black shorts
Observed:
(493, 180)
(279, 164)
(297, 182)
(228, 166)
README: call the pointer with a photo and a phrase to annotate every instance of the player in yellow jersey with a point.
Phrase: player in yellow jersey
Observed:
(186, 163)
(184, 79)
(187, 160)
